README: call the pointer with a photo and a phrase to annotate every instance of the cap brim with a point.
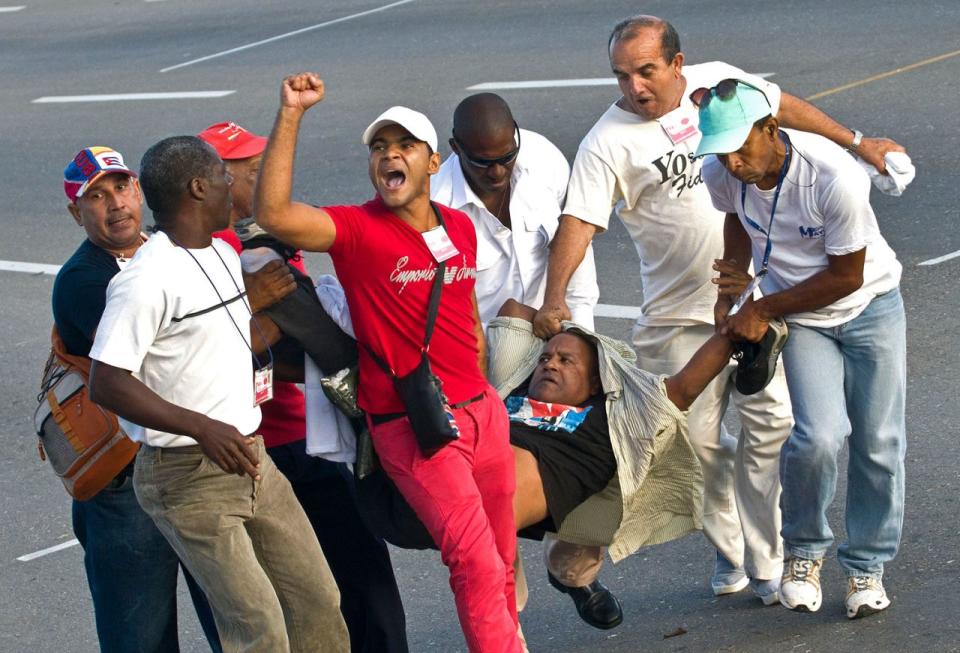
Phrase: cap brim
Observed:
(108, 171)
(251, 147)
(729, 140)
(374, 127)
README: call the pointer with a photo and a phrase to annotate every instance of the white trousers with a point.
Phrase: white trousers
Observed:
(740, 474)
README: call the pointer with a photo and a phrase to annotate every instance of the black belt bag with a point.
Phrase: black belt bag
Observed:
(421, 391)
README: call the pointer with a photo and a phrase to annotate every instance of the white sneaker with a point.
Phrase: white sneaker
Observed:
(865, 596)
(800, 585)
(767, 591)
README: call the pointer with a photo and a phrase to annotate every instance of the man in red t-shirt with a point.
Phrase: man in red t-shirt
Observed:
(360, 562)
(386, 254)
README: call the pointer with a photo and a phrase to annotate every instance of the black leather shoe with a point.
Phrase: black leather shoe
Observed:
(757, 361)
(595, 603)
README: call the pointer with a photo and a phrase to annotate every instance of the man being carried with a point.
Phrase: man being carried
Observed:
(638, 159)
(802, 207)
(511, 183)
(177, 318)
(386, 253)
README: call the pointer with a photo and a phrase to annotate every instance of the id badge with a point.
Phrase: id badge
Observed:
(745, 295)
(679, 125)
(262, 385)
(440, 244)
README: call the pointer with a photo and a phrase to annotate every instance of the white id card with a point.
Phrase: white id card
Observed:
(262, 385)
(680, 124)
(440, 244)
(745, 295)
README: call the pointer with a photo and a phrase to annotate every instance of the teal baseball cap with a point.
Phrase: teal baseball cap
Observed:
(727, 113)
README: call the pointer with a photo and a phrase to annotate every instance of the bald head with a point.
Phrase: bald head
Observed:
(481, 115)
(629, 28)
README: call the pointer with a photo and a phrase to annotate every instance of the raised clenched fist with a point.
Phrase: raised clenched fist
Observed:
(301, 91)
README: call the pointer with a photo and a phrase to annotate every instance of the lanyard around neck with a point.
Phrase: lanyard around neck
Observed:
(224, 304)
(773, 209)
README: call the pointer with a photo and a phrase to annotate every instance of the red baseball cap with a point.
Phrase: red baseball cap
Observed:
(231, 141)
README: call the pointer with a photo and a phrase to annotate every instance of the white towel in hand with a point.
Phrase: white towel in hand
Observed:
(900, 172)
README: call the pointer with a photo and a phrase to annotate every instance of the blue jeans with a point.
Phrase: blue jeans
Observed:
(132, 573)
(847, 381)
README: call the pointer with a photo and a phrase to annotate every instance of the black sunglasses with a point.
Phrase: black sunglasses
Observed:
(725, 90)
(504, 160)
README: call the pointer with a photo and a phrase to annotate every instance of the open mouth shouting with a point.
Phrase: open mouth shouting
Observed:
(392, 180)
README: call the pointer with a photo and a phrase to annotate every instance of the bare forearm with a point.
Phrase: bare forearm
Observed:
(120, 393)
(275, 184)
(263, 333)
(708, 361)
(566, 252)
(820, 290)
(736, 242)
(799, 114)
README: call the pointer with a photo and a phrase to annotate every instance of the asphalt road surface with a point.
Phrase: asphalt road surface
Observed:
(425, 54)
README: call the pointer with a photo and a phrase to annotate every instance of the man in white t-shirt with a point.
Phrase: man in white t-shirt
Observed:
(638, 159)
(802, 207)
(511, 183)
(172, 358)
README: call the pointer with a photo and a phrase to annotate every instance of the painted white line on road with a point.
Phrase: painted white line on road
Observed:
(616, 310)
(178, 95)
(29, 268)
(941, 259)
(7, 10)
(53, 549)
(543, 83)
(288, 34)
(556, 83)
(602, 310)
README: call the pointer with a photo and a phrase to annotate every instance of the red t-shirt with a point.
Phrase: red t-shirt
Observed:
(387, 271)
(285, 416)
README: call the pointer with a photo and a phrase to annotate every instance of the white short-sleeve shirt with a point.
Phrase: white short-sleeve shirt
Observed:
(629, 164)
(512, 263)
(166, 323)
(823, 209)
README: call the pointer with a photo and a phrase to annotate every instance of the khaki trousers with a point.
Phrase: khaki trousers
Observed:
(250, 547)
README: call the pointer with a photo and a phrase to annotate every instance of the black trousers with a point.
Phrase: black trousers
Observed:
(369, 598)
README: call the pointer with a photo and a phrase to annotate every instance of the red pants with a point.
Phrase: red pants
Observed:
(464, 496)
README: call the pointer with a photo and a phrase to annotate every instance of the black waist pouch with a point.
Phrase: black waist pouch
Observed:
(431, 419)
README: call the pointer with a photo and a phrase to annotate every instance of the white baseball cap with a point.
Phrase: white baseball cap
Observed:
(413, 121)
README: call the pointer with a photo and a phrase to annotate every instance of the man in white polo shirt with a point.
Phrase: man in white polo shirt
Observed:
(639, 160)
(801, 206)
(511, 182)
(172, 358)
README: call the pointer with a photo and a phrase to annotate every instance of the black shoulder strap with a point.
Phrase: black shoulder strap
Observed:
(433, 308)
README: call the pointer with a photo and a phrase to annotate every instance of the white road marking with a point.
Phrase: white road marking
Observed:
(177, 95)
(283, 36)
(941, 259)
(557, 83)
(7, 10)
(616, 310)
(29, 268)
(53, 549)
(602, 310)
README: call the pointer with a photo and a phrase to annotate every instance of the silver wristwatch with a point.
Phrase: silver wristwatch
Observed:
(857, 137)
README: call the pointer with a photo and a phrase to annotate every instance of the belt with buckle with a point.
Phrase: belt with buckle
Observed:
(383, 418)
